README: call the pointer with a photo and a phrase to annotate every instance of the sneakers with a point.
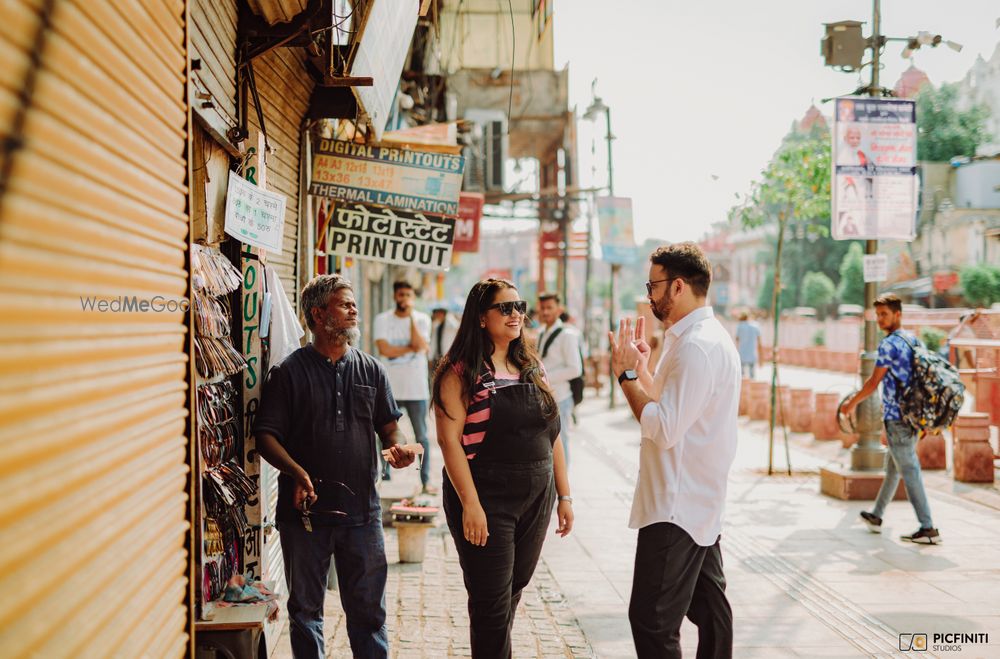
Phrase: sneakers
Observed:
(923, 536)
(874, 523)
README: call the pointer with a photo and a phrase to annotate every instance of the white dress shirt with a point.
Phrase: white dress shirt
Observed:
(689, 430)
(563, 362)
(407, 373)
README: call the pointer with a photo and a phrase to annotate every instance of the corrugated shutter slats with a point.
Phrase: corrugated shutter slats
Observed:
(93, 406)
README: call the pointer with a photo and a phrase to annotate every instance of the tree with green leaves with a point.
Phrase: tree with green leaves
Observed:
(818, 292)
(981, 284)
(945, 132)
(851, 289)
(795, 186)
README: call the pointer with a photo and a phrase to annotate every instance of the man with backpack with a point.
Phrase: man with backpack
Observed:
(559, 345)
(896, 360)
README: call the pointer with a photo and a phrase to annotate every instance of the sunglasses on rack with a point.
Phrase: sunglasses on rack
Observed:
(507, 308)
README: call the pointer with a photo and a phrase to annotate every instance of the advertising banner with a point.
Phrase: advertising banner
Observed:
(418, 181)
(388, 236)
(470, 211)
(875, 186)
(617, 237)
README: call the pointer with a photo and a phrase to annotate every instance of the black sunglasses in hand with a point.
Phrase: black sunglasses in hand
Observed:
(507, 308)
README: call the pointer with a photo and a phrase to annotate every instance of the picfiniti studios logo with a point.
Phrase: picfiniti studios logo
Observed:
(940, 642)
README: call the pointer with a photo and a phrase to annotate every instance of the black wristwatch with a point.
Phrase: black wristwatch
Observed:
(628, 374)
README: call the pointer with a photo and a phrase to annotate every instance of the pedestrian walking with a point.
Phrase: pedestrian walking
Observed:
(402, 338)
(559, 344)
(498, 427)
(748, 344)
(320, 412)
(895, 359)
(687, 413)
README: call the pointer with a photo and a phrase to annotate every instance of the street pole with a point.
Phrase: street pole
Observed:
(868, 454)
(614, 267)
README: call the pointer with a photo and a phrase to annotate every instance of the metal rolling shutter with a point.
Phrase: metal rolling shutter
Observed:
(284, 88)
(213, 55)
(93, 406)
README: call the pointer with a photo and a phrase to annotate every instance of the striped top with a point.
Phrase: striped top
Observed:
(477, 415)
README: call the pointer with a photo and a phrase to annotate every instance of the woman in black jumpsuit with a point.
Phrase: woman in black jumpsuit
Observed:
(498, 426)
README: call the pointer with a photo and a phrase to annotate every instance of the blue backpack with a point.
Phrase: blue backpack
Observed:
(934, 394)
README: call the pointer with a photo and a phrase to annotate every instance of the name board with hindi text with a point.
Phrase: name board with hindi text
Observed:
(418, 181)
(253, 215)
(391, 236)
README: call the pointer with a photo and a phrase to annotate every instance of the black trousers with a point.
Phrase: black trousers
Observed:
(675, 576)
(517, 499)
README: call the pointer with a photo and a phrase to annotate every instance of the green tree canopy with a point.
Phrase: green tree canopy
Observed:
(981, 284)
(818, 292)
(851, 289)
(945, 132)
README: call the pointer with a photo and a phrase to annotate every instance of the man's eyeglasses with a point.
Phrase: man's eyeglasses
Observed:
(507, 308)
(649, 284)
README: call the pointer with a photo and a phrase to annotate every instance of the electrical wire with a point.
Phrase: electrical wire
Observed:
(513, 52)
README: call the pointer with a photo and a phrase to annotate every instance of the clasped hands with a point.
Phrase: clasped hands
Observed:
(629, 349)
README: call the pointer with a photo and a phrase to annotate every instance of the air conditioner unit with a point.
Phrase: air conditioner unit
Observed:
(486, 151)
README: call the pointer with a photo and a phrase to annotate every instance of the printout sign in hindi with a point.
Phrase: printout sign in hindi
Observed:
(253, 215)
(617, 234)
(418, 181)
(875, 185)
(391, 236)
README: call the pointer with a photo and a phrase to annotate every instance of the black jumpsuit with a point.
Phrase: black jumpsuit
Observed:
(513, 474)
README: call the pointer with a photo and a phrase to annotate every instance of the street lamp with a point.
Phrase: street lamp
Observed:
(594, 110)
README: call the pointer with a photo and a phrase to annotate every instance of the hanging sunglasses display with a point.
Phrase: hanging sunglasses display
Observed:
(212, 273)
(211, 316)
(217, 357)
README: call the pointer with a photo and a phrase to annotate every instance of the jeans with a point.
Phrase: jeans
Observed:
(677, 577)
(750, 369)
(417, 411)
(565, 418)
(358, 553)
(901, 460)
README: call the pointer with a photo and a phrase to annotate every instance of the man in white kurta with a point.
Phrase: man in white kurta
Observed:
(687, 412)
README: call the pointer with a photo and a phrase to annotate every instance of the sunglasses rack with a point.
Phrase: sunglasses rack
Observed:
(224, 487)
(214, 278)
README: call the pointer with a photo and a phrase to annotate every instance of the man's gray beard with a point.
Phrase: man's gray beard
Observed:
(348, 335)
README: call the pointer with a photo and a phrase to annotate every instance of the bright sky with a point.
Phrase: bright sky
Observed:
(707, 88)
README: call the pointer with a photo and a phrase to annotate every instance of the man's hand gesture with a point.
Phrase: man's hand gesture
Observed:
(629, 349)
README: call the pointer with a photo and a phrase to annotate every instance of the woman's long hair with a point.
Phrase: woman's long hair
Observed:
(472, 348)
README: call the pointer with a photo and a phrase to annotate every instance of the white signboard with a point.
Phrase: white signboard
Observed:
(617, 237)
(388, 236)
(875, 186)
(385, 41)
(876, 267)
(253, 215)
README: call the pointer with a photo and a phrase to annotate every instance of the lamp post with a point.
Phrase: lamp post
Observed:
(595, 108)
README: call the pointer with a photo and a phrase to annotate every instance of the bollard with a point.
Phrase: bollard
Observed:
(745, 396)
(930, 450)
(760, 401)
(824, 423)
(972, 452)
(803, 408)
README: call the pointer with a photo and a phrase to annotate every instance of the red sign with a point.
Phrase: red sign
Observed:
(498, 273)
(470, 211)
(945, 280)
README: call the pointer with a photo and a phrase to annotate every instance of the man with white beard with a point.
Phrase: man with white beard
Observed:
(320, 413)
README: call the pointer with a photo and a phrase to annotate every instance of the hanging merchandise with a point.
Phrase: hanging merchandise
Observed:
(212, 273)
(285, 332)
(213, 277)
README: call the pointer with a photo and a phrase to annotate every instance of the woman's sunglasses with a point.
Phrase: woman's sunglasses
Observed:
(507, 308)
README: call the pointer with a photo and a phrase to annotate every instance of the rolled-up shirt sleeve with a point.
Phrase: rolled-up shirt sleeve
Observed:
(685, 393)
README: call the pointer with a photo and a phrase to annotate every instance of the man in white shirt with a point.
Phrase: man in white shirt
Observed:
(687, 412)
(402, 337)
(559, 345)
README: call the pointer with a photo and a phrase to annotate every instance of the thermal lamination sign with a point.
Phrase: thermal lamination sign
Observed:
(418, 181)
(391, 236)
